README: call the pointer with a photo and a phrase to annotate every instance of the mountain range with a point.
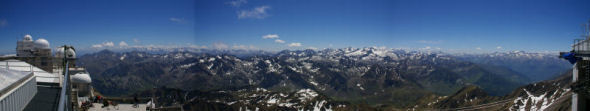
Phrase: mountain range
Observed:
(353, 77)
(547, 95)
(536, 66)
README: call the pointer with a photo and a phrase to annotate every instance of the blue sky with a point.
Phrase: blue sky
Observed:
(449, 25)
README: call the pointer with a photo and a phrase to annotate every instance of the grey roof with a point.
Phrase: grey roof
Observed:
(41, 75)
(10, 77)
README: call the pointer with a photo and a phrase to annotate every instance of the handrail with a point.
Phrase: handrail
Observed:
(19, 95)
(63, 101)
(15, 84)
(581, 45)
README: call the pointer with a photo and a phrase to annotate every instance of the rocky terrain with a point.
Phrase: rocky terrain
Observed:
(550, 95)
(376, 77)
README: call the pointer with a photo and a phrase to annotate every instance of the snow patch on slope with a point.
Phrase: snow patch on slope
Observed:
(538, 103)
(123, 57)
(306, 94)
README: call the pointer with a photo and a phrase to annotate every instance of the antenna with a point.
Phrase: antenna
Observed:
(587, 29)
(579, 58)
(584, 29)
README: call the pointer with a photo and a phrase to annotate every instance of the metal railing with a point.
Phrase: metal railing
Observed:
(64, 96)
(7, 65)
(41, 75)
(19, 94)
(581, 46)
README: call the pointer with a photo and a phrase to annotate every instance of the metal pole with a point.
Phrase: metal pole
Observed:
(63, 96)
(574, 96)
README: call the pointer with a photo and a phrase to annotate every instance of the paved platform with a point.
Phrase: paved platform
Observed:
(46, 99)
(122, 107)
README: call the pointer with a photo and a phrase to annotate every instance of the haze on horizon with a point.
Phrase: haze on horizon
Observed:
(456, 25)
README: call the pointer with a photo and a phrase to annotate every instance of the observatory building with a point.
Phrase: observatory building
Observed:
(36, 80)
(35, 52)
(28, 48)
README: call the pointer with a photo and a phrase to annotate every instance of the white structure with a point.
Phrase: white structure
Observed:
(28, 48)
(581, 45)
(81, 83)
(25, 47)
(582, 50)
(59, 52)
(40, 75)
(575, 98)
(580, 70)
(42, 44)
(17, 89)
(70, 53)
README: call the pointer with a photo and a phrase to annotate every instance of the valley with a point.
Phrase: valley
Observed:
(355, 77)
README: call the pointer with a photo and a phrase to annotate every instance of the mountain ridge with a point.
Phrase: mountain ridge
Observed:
(362, 75)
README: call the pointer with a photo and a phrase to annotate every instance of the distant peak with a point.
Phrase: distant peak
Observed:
(518, 51)
(106, 51)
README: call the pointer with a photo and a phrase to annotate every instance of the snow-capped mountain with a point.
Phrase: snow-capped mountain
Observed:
(262, 99)
(376, 76)
(536, 66)
(246, 98)
(164, 50)
(548, 95)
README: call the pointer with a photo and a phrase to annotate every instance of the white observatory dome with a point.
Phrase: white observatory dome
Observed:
(42, 43)
(81, 78)
(28, 38)
(70, 53)
(59, 52)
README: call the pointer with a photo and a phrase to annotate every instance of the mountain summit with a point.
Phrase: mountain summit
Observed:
(360, 75)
